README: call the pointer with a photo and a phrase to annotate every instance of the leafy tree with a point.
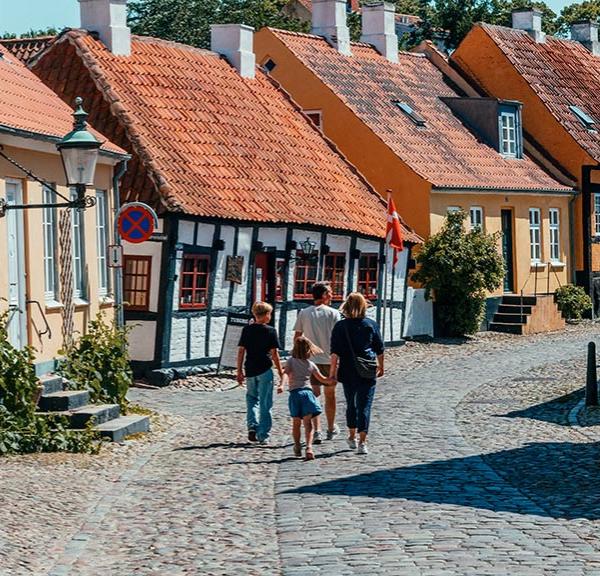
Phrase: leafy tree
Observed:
(500, 13)
(457, 267)
(588, 10)
(51, 31)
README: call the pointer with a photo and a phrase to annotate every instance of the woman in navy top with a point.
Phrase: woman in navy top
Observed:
(366, 342)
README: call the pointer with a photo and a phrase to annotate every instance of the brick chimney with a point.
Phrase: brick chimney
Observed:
(530, 20)
(109, 19)
(586, 32)
(236, 43)
(329, 21)
(379, 29)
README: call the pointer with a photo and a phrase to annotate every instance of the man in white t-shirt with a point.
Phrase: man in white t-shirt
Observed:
(316, 323)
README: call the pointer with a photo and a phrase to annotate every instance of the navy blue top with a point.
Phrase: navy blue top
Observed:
(366, 342)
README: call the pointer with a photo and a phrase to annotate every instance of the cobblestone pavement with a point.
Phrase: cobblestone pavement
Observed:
(472, 470)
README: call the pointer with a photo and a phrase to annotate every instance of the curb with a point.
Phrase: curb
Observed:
(574, 413)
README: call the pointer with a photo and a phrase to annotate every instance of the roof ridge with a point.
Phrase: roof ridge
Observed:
(155, 40)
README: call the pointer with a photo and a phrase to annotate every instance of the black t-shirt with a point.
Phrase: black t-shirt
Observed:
(258, 340)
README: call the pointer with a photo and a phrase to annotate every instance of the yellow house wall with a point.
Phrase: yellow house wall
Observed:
(492, 204)
(480, 59)
(49, 167)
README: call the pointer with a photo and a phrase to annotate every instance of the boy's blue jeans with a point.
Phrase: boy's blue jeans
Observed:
(259, 404)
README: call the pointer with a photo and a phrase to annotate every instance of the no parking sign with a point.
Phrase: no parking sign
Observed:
(136, 222)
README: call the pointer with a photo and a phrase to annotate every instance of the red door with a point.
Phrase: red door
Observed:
(264, 278)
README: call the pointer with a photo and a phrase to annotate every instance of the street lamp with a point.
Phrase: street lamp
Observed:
(79, 151)
(308, 247)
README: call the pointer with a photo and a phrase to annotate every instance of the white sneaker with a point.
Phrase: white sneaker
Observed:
(318, 438)
(362, 448)
(352, 443)
(331, 434)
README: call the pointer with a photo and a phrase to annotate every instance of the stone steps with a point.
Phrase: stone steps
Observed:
(527, 315)
(117, 429)
(64, 400)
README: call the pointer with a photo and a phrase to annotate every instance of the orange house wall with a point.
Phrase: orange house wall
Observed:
(481, 60)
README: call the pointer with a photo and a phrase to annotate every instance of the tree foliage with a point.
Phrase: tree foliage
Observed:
(457, 267)
(588, 10)
(51, 31)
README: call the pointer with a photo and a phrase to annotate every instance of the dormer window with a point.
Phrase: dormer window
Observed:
(410, 112)
(508, 134)
(586, 120)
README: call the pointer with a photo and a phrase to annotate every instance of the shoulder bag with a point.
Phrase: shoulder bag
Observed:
(365, 367)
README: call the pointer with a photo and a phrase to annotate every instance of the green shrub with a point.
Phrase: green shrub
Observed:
(457, 267)
(99, 361)
(573, 301)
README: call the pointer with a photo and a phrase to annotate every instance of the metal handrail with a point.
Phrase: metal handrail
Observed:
(48, 330)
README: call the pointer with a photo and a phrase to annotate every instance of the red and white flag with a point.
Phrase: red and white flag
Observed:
(394, 230)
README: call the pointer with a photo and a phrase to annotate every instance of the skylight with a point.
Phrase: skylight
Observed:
(584, 118)
(408, 110)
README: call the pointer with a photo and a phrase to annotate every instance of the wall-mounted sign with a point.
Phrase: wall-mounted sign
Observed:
(235, 269)
(136, 222)
(115, 256)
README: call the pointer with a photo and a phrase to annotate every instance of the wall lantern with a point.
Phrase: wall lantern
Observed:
(307, 250)
(178, 251)
(79, 151)
(219, 244)
(257, 246)
(355, 254)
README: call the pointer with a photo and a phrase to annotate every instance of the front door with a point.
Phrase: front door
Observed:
(264, 278)
(507, 250)
(17, 318)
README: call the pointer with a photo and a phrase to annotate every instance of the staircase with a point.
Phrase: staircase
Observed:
(527, 315)
(75, 405)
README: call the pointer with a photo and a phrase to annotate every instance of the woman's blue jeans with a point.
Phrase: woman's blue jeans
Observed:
(359, 395)
(259, 404)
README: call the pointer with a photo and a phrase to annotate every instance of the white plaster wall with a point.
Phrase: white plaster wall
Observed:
(142, 339)
(178, 339)
(198, 337)
(206, 234)
(217, 333)
(186, 232)
(419, 314)
(221, 292)
(273, 237)
(244, 248)
(289, 335)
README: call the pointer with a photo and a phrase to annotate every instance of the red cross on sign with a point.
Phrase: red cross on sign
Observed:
(136, 222)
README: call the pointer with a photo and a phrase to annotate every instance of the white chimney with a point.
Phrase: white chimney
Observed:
(329, 21)
(586, 32)
(109, 19)
(530, 20)
(236, 43)
(379, 29)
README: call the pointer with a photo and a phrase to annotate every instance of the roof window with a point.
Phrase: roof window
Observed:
(587, 121)
(269, 65)
(410, 112)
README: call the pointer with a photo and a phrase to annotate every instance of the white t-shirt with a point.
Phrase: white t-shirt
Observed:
(316, 323)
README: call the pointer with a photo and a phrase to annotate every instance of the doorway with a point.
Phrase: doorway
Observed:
(17, 316)
(507, 249)
(265, 281)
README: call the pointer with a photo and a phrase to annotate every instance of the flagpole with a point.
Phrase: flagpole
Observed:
(385, 289)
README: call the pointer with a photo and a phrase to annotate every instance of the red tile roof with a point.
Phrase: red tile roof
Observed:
(27, 105)
(444, 152)
(216, 144)
(27, 48)
(562, 73)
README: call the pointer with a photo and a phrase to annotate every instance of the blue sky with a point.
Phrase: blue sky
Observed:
(19, 16)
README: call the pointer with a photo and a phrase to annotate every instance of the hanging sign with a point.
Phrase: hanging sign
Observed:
(136, 222)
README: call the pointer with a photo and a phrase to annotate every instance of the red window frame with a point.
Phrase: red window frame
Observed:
(194, 282)
(335, 273)
(137, 274)
(305, 275)
(368, 275)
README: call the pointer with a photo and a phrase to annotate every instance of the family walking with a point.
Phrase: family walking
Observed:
(329, 347)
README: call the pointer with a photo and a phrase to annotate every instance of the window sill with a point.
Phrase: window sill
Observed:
(53, 305)
(557, 264)
(80, 303)
(106, 301)
(538, 265)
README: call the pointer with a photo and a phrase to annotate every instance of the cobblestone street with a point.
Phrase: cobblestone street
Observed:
(473, 469)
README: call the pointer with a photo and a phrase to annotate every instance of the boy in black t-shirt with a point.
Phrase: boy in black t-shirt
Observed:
(259, 345)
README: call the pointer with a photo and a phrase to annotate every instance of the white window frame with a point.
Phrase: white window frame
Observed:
(596, 214)
(452, 209)
(554, 226)
(476, 217)
(535, 235)
(102, 239)
(50, 234)
(78, 239)
(508, 134)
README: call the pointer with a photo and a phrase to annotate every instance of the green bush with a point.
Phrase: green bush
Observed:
(457, 267)
(99, 361)
(573, 301)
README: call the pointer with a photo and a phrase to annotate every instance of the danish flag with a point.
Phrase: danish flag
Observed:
(394, 230)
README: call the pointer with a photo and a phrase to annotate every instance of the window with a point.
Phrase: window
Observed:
(195, 271)
(586, 120)
(535, 235)
(368, 275)
(305, 276)
(476, 214)
(597, 214)
(410, 112)
(50, 234)
(452, 209)
(279, 280)
(269, 65)
(315, 116)
(136, 282)
(508, 133)
(78, 252)
(102, 241)
(554, 219)
(335, 270)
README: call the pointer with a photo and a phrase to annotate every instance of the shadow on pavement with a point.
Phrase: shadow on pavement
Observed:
(554, 411)
(233, 445)
(559, 480)
(318, 456)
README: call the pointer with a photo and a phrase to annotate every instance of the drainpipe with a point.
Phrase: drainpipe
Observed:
(120, 170)
(572, 238)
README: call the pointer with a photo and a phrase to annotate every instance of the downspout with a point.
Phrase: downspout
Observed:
(572, 238)
(120, 170)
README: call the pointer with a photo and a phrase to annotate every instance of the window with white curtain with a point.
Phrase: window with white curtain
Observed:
(102, 241)
(476, 215)
(554, 220)
(535, 235)
(49, 231)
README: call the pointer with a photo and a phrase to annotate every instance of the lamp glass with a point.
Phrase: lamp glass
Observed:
(80, 164)
(308, 247)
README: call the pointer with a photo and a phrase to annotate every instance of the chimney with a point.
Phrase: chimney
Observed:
(586, 32)
(530, 20)
(109, 19)
(379, 29)
(329, 21)
(236, 43)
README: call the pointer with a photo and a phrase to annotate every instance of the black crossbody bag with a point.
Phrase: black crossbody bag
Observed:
(366, 367)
